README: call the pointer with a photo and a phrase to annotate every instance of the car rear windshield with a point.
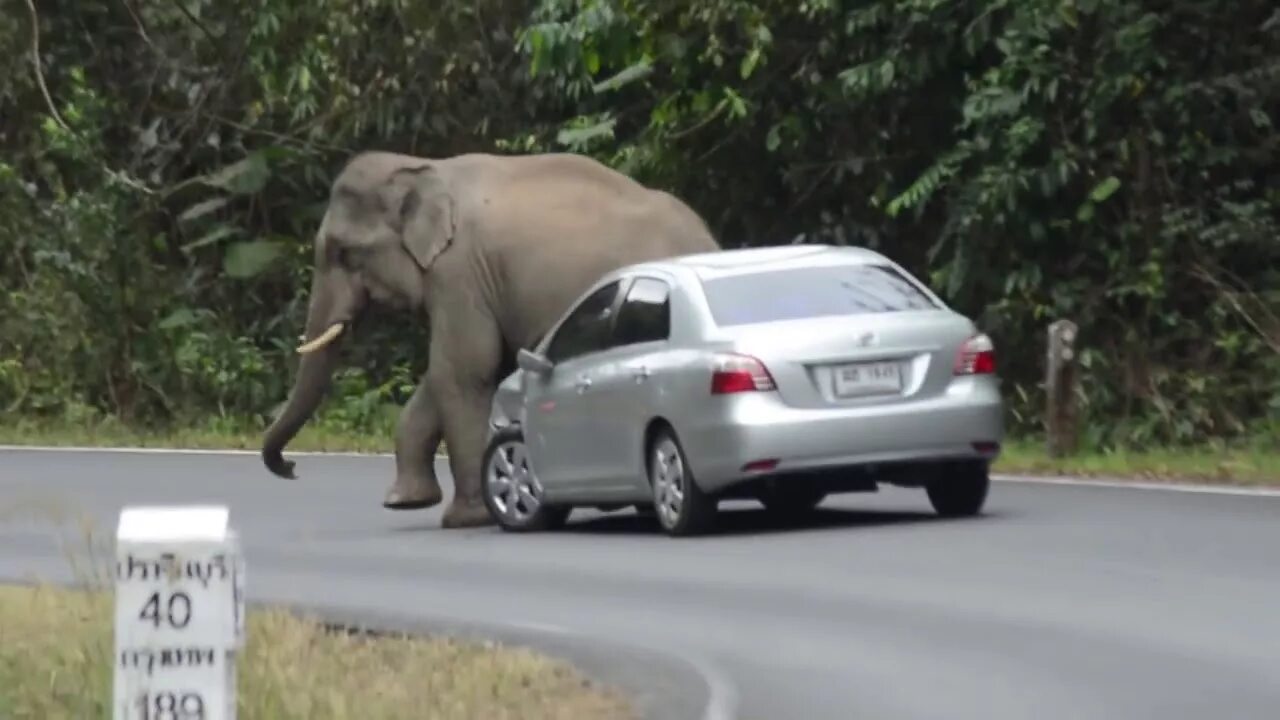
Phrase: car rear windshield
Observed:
(811, 292)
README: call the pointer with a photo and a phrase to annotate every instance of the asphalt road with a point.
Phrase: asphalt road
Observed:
(1061, 602)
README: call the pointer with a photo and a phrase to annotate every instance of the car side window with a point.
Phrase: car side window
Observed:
(645, 315)
(587, 327)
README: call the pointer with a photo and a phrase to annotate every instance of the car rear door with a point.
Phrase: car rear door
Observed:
(559, 431)
(622, 394)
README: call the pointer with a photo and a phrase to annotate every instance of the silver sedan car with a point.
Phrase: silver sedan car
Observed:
(779, 374)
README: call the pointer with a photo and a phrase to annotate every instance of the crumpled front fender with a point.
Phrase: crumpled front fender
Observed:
(508, 403)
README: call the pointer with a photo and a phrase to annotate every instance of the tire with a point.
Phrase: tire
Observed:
(504, 471)
(681, 507)
(960, 489)
(791, 501)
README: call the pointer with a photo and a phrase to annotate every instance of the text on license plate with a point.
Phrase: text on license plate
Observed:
(867, 378)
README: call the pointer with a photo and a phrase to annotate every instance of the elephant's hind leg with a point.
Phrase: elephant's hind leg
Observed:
(418, 435)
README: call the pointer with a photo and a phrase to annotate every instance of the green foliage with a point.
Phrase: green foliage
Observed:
(1101, 160)
(1110, 161)
(155, 230)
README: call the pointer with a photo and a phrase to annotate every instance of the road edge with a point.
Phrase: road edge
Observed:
(1121, 483)
(1172, 485)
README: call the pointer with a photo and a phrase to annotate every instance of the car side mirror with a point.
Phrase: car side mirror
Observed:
(532, 362)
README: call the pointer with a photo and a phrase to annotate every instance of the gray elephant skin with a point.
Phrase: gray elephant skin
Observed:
(491, 249)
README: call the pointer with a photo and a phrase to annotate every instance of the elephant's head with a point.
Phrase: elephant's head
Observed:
(389, 217)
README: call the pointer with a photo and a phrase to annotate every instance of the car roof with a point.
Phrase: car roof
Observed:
(742, 261)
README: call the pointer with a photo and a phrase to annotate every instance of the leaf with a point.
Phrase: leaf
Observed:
(218, 233)
(201, 209)
(749, 63)
(1105, 189)
(737, 105)
(178, 318)
(243, 177)
(773, 139)
(627, 75)
(887, 71)
(1067, 12)
(247, 259)
(577, 136)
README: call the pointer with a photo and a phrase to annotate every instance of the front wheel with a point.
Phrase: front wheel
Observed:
(511, 492)
(681, 506)
(960, 489)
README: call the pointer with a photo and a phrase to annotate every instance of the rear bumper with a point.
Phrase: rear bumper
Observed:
(757, 426)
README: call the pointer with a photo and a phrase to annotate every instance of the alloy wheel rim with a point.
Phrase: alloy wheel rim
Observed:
(668, 482)
(513, 489)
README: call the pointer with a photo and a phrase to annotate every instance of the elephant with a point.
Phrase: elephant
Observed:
(490, 250)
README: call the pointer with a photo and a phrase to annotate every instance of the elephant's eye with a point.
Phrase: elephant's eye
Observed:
(346, 258)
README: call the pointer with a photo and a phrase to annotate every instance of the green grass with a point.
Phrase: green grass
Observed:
(1255, 462)
(1247, 464)
(233, 436)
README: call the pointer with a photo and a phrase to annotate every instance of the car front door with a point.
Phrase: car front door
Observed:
(559, 432)
(622, 394)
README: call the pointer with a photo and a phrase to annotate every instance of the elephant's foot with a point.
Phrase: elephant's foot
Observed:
(412, 496)
(463, 514)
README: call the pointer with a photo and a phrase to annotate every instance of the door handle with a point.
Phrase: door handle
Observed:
(640, 373)
(583, 383)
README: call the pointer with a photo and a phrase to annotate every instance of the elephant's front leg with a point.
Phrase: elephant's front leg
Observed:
(418, 435)
(465, 358)
(466, 431)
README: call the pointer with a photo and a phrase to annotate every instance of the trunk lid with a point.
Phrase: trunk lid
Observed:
(850, 360)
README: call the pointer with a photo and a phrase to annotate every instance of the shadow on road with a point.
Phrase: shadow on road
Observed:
(756, 521)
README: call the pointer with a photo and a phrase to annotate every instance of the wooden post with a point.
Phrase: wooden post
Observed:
(1061, 377)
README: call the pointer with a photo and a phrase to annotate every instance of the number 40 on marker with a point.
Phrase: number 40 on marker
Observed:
(177, 619)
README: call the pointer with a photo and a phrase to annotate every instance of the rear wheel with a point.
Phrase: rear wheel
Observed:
(682, 508)
(511, 491)
(960, 489)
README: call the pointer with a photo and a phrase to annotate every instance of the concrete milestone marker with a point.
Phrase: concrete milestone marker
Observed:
(179, 614)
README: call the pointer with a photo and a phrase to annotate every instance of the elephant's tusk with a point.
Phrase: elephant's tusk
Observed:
(328, 336)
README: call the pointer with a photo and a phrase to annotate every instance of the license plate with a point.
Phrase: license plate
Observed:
(867, 379)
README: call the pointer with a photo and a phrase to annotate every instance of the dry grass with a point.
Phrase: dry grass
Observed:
(56, 648)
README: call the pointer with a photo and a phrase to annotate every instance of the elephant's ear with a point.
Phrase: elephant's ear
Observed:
(423, 212)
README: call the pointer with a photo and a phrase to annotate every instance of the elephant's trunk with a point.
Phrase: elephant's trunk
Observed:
(334, 304)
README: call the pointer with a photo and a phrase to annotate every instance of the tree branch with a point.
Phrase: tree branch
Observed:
(35, 59)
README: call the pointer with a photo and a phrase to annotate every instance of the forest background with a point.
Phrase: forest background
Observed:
(164, 164)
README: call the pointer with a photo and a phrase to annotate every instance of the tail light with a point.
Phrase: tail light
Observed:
(733, 373)
(977, 356)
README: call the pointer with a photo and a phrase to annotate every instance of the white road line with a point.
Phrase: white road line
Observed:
(125, 450)
(1172, 486)
(177, 451)
(539, 627)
